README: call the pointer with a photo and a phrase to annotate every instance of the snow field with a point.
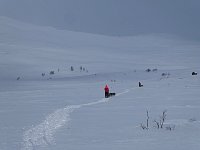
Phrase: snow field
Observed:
(67, 110)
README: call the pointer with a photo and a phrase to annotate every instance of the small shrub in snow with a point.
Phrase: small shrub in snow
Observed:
(165, 75)
(160, 123)
(157, 124)
(163, 118)
(43, 74)
(143, 126)
(72, 68)
(148, 70)
(192, 119)
(52, 72)
(18, 78)
(170, 127)
(147, 122)
(113, 80)
(81, 68)
(155, 70)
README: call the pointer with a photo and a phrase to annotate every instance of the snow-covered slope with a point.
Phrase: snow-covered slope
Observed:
(27, 49)
(67, 110)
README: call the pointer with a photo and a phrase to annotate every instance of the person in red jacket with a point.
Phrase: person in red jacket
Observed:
(106, 89)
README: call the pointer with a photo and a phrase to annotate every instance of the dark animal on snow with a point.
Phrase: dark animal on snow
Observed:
(111, 94)
(140, 84)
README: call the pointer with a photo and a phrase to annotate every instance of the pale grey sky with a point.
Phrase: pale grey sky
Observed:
(110, 17)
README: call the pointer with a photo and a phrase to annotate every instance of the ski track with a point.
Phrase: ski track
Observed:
(42, 135)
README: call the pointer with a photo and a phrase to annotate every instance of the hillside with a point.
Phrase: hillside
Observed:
(110, 17)
(67, 109)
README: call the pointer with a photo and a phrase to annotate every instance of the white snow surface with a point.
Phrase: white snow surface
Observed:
(67, 110)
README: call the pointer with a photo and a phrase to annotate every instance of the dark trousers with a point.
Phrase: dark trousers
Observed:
(106, 94)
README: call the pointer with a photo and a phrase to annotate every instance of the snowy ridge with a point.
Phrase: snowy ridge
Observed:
(42, 134)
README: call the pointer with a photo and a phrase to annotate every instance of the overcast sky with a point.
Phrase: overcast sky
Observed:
(111, 17)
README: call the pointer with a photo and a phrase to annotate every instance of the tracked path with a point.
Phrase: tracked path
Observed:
(42, 135)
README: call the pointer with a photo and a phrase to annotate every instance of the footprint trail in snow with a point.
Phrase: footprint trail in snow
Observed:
(42, 135)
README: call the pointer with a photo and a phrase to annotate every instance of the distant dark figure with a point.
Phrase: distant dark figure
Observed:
(106, 89)
(194, 73)
(140, 84)
(43, 74)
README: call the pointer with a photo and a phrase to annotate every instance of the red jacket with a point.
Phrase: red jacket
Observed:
(106, 88)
